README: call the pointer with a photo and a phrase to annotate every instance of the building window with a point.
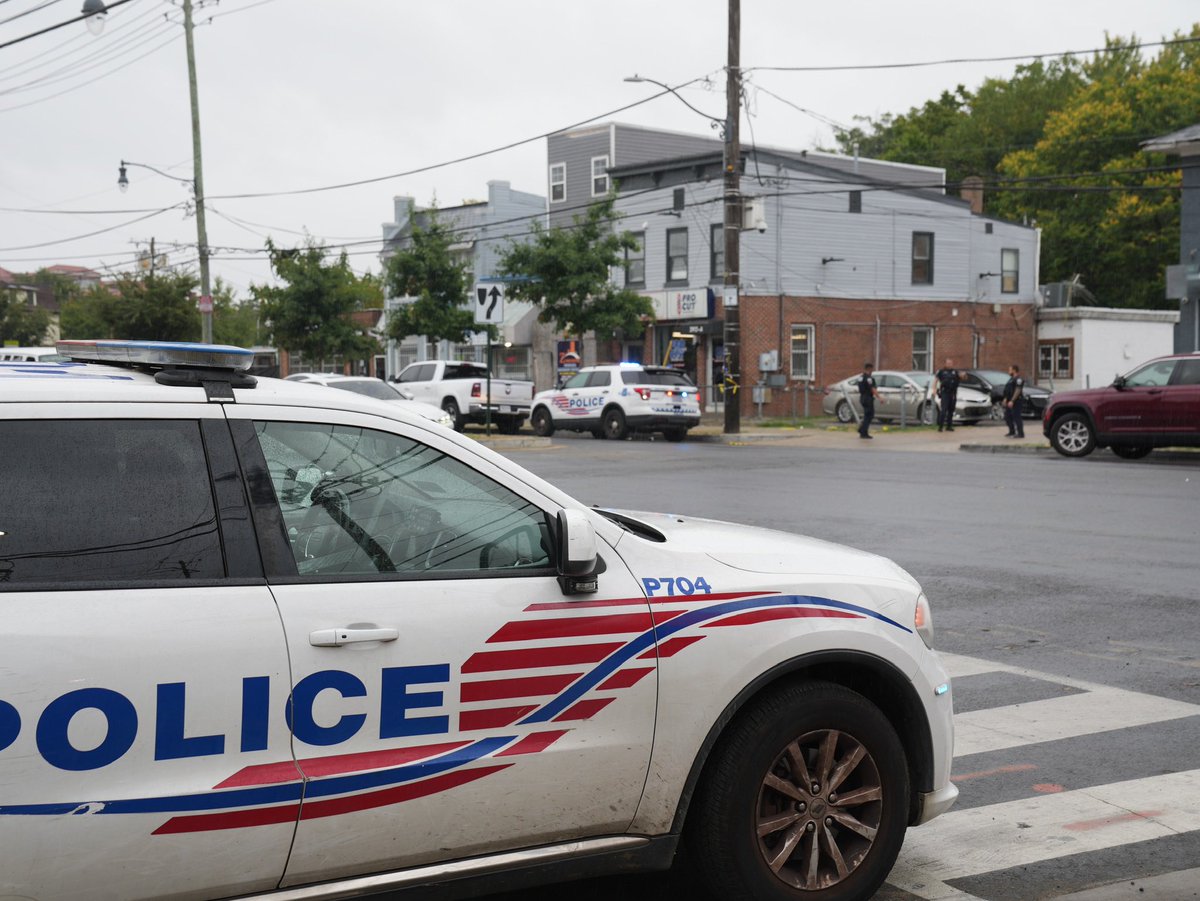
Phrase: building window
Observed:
(599, 176)
(677, 255)
(922, 258)
(1056, 359)
(802, 352)
(635, 261)
(716, 254)
(922, 350)
(856, 201)
(558, 182)
(1010, 270)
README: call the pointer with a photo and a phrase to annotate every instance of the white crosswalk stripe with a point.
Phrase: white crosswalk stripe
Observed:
(980, 840)
(1099, 709)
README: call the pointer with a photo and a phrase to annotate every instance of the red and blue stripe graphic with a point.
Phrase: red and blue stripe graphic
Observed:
(563, 664)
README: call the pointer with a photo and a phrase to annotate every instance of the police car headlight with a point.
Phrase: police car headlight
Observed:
(445, 420)
(923, 620)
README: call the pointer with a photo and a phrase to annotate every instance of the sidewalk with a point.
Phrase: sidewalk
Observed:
(983, 438)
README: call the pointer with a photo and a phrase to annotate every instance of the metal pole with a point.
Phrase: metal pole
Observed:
(733, 222)
(487, 403)
(206, 316)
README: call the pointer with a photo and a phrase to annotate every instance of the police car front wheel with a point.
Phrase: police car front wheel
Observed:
(806, 797)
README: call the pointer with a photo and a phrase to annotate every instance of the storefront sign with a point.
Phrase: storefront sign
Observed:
(686, 303)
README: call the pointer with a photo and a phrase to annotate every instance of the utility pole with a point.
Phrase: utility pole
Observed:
(206, 316)
(733, 222)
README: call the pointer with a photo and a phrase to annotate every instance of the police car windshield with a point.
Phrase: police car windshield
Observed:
(371, 388)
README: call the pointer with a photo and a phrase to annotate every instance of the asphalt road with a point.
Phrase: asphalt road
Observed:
(1068, 587)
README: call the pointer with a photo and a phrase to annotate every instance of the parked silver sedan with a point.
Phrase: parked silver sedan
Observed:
(903, 396)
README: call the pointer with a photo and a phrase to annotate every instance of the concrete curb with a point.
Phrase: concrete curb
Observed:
(1006, 449)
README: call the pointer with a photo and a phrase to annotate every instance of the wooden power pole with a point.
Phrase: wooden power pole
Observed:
(733, 223)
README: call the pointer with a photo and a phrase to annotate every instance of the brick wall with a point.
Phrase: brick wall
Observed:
(846, 330)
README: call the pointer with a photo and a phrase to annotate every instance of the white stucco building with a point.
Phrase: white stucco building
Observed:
(1085, 347)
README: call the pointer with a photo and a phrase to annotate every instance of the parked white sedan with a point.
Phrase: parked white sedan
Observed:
(376, 388)
(903, 396)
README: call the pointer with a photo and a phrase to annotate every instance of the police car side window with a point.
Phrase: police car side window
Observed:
(131, 502)
(599, 379)
(359, 502)
(579, 380)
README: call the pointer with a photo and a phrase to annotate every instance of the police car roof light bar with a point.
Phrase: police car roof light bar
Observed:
(162, 354)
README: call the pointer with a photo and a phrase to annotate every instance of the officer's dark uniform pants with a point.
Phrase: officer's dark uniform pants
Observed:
(1012, 419)
(946, 413)
(868, 415)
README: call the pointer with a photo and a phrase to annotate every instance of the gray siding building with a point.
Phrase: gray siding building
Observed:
(482, 230)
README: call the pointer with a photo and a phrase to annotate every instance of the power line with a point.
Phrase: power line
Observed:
(442, 165)
(100, 231)
(861, 67)
(33, 34)
(79, 35)
(92, 81)
(29, 12)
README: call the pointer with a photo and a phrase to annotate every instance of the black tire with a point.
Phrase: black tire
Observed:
(844, 413)
(542, 422)
(1131, 451)
(925, 414)
(450, 405)
(509, 425)
(1072, 435)
(675, 433)
(614, 424)
(598, 433)
(763, 772)
(997, 412)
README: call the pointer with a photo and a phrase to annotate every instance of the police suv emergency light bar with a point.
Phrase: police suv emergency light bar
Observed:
(166, 354)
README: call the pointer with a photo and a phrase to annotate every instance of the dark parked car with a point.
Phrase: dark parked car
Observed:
(1155, 405)
(992, 382)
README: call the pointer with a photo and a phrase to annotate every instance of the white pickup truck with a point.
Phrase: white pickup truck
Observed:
(461, 389)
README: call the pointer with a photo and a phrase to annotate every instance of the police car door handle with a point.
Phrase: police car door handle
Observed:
(335, 638)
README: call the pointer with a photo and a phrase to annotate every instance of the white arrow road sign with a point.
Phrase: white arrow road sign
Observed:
(489, 303)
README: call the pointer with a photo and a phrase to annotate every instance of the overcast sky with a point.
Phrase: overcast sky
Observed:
(300, 94)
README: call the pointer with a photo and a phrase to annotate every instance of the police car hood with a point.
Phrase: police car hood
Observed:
(756, 550)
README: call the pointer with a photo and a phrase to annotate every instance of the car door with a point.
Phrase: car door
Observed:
(144, 668)
(415, 380)
(448, 699)
(1181, 402)
(1138, 406)
(891, 394)
(569, 405)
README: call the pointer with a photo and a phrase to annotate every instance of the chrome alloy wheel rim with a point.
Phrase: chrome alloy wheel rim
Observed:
(819, 810)
(1073, 436)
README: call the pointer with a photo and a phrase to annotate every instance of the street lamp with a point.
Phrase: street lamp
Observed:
(96, 12)
(640, 79)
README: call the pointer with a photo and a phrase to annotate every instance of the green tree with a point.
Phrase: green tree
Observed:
(89, 315)
(310, 312)
(427, 270)
(21, 323)
(1109, 212)
(236, 322)
(565, 272)
(157, 308)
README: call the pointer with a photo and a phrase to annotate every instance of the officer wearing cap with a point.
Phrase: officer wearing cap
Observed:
(946, 381)
(867, 392)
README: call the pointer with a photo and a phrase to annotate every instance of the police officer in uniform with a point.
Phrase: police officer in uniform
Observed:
(946, 384)
(867, 392)
(1013, 389)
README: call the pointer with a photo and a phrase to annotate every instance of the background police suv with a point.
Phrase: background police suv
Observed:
(263, 638)
(612, 401)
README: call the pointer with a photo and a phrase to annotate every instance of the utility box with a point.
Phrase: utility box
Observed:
(754, 214)
(760, 394)
(768, 361)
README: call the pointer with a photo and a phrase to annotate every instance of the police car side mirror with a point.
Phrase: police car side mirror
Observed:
(578, 559)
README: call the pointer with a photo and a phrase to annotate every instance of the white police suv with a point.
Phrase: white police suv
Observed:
(613, 400)
(266, 639)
